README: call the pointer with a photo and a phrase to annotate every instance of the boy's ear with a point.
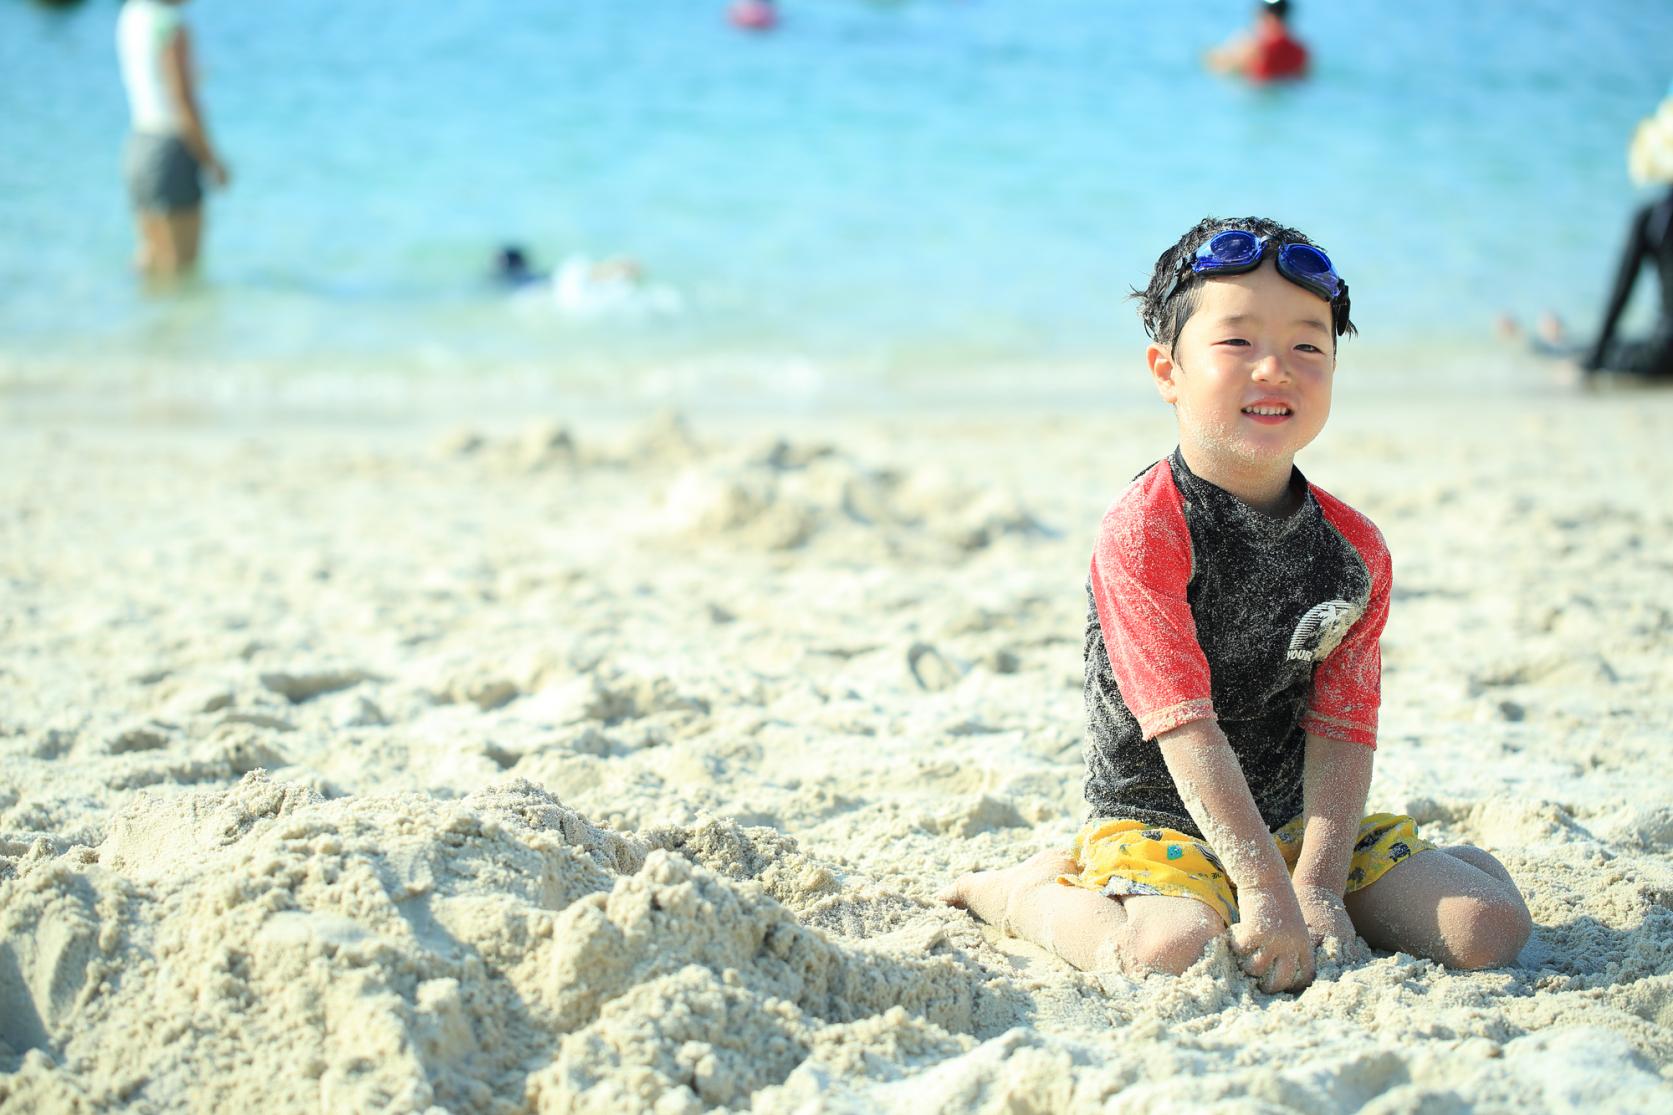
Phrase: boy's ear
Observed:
(1163, 370)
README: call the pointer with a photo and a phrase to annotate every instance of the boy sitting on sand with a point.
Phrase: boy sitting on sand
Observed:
(1233, 670)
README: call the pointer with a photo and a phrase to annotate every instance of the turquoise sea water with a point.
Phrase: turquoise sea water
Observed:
(880, 202)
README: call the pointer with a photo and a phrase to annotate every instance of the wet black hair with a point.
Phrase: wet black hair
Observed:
(1278, 9)
(1171, 298)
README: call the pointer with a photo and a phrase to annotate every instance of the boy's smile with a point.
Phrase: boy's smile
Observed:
(1250, 380)
(1269, 412)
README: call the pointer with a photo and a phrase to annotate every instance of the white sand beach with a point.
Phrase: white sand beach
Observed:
(571, 766)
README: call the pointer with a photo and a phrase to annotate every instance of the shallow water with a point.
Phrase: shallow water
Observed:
(879, 203)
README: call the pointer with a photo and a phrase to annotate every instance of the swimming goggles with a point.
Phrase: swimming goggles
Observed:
(1235, 251)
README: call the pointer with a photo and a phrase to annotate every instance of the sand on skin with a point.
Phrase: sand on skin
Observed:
(553, 769)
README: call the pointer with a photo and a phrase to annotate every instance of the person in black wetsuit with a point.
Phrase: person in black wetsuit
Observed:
(1649, 240)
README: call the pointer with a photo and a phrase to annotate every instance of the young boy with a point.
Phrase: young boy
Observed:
(1233, 670)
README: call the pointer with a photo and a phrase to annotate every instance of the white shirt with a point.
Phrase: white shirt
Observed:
(143, 29)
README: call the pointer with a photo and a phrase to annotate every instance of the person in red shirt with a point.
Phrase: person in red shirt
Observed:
(1269, 53)
(1233, 670)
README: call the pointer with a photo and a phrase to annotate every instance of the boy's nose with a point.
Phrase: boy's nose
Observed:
(1270, 367)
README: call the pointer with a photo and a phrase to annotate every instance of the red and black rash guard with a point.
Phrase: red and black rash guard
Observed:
(1200, 606)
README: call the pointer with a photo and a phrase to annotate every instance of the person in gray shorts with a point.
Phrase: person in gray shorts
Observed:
(168, 153)
(162, 173)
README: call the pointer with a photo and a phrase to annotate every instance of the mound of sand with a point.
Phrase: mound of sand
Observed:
(264, 945)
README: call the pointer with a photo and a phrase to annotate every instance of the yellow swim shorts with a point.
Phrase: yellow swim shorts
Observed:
(1129, 857)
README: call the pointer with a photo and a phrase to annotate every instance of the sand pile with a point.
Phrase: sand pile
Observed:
(263, 945)
(564, 769)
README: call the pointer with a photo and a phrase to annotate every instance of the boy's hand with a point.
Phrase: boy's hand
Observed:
(1328, 921)
(1271, 939)
(1327, 918)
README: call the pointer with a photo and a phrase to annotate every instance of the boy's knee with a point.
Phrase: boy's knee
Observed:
(1051, 863)
(1172, 945)
(1489, 934)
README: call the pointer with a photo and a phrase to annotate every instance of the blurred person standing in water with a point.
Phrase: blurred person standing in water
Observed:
(1268, 53)
(168, 151)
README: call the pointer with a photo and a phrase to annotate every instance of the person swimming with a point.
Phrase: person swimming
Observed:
(511, 268)
(1268, 53)
(583, 287)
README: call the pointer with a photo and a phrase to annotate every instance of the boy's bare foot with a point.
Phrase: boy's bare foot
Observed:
(989, 894)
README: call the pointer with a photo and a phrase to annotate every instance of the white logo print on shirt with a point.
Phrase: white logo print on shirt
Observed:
(1322, 630)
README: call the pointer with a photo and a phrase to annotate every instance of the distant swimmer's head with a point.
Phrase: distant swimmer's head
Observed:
(513, 269)
(1277, 9)
(1203, 253)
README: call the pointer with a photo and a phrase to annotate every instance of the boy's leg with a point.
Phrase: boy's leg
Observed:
(1455, 905)
(1087, 929)
(1484, 860)
(1167, 934)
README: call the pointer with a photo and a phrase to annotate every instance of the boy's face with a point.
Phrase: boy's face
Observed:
(1250, 376)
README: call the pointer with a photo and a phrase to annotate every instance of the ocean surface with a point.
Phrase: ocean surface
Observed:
(910, 203)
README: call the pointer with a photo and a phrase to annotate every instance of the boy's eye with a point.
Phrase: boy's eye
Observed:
(1234, 341)
(1310, 348)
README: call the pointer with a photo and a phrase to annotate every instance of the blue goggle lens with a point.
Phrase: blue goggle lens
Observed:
(1233, 248)
(1309, 267)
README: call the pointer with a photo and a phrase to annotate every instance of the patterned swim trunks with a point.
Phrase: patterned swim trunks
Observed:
(1121, 858)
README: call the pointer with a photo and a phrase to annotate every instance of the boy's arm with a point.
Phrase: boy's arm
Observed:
(1335, 783)
(1341, 727)
(1271, 937)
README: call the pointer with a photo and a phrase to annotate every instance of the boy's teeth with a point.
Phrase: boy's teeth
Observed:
(1266, 410)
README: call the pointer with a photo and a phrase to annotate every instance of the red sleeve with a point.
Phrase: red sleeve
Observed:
(1347, 685)
(1141, 566)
